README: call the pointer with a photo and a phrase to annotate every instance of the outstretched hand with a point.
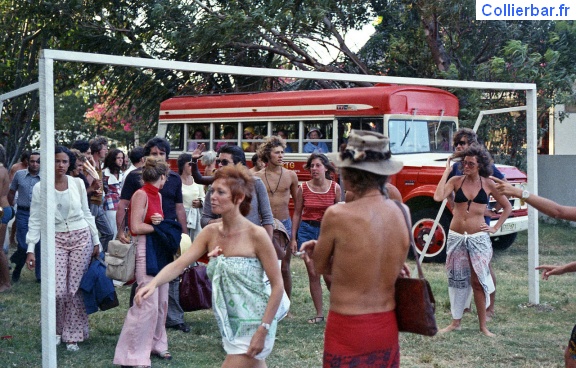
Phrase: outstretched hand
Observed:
(197, 153)
(550, 271)
(505, 188)
(308, 247)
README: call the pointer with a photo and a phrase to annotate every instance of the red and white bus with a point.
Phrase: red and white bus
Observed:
(420, 122)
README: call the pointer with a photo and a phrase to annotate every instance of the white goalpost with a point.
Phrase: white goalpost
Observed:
(46, 86)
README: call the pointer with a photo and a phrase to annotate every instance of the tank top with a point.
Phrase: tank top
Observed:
(315, 204)
(154, 202)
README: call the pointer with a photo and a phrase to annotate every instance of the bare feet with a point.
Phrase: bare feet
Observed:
(4, 287)
(486, 332)
(451, 327)
(489, 315)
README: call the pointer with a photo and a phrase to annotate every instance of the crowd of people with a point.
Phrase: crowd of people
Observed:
(231, 214)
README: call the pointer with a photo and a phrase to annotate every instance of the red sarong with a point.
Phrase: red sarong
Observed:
(367, 340)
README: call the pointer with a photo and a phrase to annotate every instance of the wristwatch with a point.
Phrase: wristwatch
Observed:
(266, 326)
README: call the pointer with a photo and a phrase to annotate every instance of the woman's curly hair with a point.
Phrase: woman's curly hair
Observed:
(482, 156)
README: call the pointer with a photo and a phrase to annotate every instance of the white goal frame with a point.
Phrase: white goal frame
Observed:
(46, 80)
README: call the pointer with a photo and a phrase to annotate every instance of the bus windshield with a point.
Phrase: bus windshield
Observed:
(420, 136)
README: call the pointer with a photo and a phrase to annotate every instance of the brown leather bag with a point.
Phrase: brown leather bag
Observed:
(415, 304)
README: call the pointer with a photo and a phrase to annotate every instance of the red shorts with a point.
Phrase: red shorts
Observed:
(367, 340)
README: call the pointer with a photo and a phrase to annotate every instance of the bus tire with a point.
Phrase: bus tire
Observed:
(503, 242)
(422, 222)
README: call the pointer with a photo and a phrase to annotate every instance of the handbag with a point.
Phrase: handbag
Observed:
(195, 289)
(415, 303)
(120, 260)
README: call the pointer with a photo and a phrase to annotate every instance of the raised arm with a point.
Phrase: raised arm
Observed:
(173, 269)
(543, 205)
(445, 186)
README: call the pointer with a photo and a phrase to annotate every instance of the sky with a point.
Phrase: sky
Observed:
(355, 39)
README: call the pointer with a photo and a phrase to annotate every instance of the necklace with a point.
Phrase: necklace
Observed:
(277, 185)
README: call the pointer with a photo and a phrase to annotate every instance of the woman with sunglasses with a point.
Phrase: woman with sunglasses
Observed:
(468, 247)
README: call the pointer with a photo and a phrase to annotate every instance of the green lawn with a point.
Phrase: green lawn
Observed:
(527, 336)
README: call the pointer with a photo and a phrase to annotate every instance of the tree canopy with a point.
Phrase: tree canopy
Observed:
(414, 38)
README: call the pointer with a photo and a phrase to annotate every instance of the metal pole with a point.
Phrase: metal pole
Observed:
(531, 157)
(47, 235)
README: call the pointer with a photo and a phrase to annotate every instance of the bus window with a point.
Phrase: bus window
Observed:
(346, 124)
(226, 134)
(408, 136)
(289, 132)
(441, 134)
(318, 137)
(174, 135)
(420, 136)
(252, 135)
(197, 133)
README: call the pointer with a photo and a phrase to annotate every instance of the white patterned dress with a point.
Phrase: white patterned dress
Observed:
(239, 299)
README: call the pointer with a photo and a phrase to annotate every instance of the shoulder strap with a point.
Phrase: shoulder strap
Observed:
(411, 236)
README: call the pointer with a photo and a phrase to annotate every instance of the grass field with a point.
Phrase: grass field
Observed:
(527, 336)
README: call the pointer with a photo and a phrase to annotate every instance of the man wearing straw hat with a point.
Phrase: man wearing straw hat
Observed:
(363, 244)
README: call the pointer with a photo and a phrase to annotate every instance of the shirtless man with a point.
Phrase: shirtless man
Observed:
(368, 232)
(23, 164)
(281, 184)
(7, 213)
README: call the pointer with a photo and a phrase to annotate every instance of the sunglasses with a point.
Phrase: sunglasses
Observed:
(223, 162)
(468, 163)
(460, 143)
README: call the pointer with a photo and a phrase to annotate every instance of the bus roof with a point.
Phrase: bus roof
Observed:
(361, 101)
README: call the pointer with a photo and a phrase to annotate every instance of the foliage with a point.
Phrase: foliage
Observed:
(271, 34)
(414, 38)
(418, 38)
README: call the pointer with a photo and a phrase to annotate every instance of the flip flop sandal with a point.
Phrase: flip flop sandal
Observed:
(315, 320)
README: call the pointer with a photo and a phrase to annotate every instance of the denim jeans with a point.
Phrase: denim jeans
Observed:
(307, 232)
(102, 225)
(22, 218)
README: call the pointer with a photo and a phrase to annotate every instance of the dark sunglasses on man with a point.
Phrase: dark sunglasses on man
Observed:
(223, 162)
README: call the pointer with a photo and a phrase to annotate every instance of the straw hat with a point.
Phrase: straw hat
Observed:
(367, 151)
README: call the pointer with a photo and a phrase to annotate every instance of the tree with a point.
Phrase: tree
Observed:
(443, 40)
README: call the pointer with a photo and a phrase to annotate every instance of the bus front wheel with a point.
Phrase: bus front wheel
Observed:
(422, 223)
(503, 242)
